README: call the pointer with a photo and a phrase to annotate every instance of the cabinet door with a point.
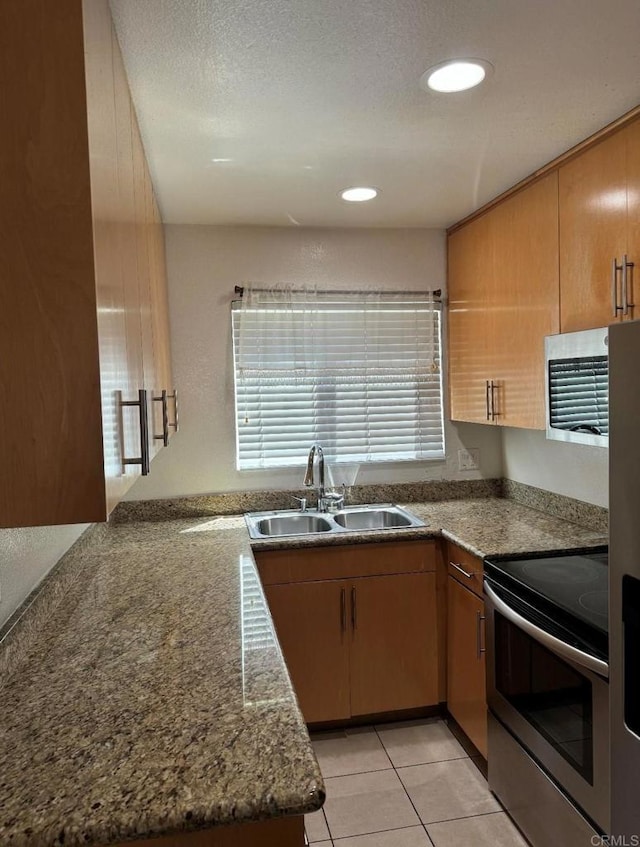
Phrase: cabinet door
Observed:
(471, 319)
(593, 214)
(311, 624)
(526, 304)
(394, 643)
(633, 215)
(466, 685)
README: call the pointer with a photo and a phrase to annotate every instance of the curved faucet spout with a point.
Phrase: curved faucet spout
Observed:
(309, 477)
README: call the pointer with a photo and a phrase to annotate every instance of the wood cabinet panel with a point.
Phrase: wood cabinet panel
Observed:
(471, 319)
(394, 644)
(311, 622)
(466, 684)
(503, 301)
(70, 334)
(315, 563)
(50, 417)
(593, 212)
(360, 644)
(459, 560)
(280, 832)
(526, 306)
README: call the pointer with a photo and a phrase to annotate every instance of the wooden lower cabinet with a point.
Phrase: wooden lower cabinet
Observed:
(360, 645)
(394, 647)
(466, 685)
(311, 622)
(279, 832)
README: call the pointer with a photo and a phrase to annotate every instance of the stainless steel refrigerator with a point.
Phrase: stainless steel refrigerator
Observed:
(624, 578)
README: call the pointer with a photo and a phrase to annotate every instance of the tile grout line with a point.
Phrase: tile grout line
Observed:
(395, 770)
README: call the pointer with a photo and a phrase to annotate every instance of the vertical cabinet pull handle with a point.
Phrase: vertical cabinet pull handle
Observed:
(479, 648)
(165, 418)
(615, 267)
(487, 400)
(174, 396)
(494, 388)
(626, 266)
(354, 614)
(343, 610)
(143, 459)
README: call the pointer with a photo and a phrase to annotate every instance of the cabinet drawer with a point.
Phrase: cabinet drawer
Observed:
(345, 560)
(460, 563)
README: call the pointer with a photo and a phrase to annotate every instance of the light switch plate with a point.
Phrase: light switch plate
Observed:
(469, 460)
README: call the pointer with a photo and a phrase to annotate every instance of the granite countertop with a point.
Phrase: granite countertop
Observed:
(154, 697)
(485, 527)
(156, 700)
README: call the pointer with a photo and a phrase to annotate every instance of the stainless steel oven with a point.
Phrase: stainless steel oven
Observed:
(548, 695)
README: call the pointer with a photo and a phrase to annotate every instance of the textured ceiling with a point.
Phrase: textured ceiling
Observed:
(306, 97)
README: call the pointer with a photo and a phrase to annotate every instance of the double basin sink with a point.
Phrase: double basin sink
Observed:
(349, 519)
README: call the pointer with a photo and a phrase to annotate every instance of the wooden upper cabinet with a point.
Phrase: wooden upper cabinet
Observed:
(470, 319)
(632, 134)
(70, 300)
(593, 231)
(526, 305)
(503, 300)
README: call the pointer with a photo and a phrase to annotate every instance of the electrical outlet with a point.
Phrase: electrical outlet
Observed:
(469, 460)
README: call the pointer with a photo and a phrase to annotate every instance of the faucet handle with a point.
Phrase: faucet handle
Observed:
(303, 503)
(333, 501)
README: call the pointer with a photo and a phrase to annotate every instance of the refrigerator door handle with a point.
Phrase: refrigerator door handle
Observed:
(560, 648)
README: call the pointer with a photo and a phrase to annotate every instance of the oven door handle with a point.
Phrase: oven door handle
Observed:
(554, 644)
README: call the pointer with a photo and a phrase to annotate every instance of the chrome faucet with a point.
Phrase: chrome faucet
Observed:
(309, 480)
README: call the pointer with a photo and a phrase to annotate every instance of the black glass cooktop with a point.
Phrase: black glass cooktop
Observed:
(576, 582)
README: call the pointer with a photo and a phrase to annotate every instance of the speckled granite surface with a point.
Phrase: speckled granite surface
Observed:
(557, 505)
(238, 502)
(146, 706)
(484, 526)
(143, 704)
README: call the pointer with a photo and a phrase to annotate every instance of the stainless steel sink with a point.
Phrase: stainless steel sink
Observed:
(298, 523)
(371, 518)
(351, 519)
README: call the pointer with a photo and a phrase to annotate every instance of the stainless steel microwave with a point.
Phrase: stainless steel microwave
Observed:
(577, 386)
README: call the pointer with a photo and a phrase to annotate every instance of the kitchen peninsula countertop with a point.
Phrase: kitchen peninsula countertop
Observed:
(153, 698)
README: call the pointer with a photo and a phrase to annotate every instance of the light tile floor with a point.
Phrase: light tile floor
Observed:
(405, 784)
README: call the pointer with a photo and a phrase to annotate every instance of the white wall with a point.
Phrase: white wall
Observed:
(204, 264)
(26, 556)
(574, 470)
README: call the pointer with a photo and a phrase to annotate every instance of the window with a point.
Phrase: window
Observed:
(359, 373)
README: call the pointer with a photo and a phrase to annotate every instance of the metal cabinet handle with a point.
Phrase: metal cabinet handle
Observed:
(615, 267)
(480, 649)
(494, 388)
(174, 396)
(461, 570)
(165, 418)
(354, 618)
(343, 610)
(626, 305)
(143, 459)
(487, 400)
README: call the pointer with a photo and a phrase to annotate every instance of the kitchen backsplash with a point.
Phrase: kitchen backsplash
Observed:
(235, 503)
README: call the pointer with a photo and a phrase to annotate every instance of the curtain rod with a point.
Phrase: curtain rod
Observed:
(239, 289)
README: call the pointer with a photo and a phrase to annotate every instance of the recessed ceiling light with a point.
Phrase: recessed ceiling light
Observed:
(455, 75)
(359, 195)
(219, 160)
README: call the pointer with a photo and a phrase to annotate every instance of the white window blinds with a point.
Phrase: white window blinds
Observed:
(359, 373)
(579, 394)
